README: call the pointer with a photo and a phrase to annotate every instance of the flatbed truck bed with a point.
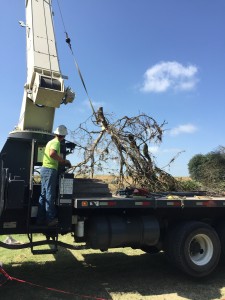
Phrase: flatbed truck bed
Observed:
(189, 228)
(152, 202)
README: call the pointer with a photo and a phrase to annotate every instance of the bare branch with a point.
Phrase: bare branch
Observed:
(124, 142)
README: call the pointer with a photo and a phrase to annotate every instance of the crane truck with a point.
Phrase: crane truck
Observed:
(189, 229)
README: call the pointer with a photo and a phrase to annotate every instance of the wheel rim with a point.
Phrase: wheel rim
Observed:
(200, 249)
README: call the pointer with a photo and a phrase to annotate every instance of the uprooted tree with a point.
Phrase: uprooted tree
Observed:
(122, 147)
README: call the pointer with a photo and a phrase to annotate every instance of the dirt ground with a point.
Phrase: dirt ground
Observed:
(122, 274)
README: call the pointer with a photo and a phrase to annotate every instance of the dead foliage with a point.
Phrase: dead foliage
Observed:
(122, 147)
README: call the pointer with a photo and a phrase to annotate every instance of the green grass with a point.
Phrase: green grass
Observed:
(55, 271)
(119, 274)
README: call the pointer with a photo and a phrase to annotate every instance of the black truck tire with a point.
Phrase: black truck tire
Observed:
(193, 247)
(220, 229)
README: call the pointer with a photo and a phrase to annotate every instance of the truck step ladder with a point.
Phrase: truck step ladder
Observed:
(51, 234)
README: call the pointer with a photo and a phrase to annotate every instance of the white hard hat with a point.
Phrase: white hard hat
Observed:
(61, 130)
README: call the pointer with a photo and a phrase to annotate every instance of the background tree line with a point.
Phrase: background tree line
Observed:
(209, 169)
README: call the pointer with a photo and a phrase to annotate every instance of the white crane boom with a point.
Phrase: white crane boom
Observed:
(44, 90)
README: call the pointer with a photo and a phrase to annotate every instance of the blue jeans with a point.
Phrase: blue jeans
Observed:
(46, 207)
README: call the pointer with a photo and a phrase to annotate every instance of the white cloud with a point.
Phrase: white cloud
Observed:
(153, 149)
(157, 150)
(185, 128)
(95, 104)
(169, 75)
(172, 150)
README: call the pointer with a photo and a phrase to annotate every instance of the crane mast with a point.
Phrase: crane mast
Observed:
(44, 90)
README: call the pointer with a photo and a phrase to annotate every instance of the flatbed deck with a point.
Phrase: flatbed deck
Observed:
(140, 202)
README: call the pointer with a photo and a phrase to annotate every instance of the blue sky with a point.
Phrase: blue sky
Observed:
(162, 57)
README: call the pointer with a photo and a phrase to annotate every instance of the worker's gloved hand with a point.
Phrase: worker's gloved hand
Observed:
(67, 163)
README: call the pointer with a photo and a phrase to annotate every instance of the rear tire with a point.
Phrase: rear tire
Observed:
(194, 248)
(220, 229)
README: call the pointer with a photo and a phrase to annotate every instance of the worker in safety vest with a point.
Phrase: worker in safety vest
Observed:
(49, 175)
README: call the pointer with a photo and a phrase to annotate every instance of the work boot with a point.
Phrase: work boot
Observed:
(53, 222)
